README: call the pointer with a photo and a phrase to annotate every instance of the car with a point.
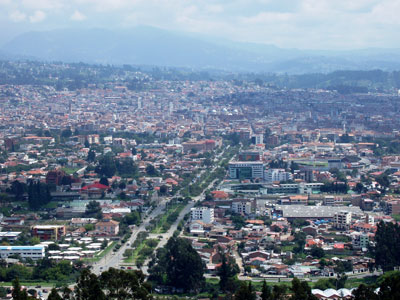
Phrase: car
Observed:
(129, 268)
(38, 286)
(122, 268)
(45, 291)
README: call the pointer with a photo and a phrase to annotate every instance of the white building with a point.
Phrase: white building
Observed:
(342, 220)
(240, 207)
(246, 170)
(33, 252)
(203, 214)
(272, 175)
(360, 240)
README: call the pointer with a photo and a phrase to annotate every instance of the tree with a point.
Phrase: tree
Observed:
(17, 293)
(178, 265)
(88, 287)
(245, 292)
(265, 291)
(93, 210)
(163, 190)
(119, 284)
(106, 166)
(364, 292)
(18, 189)
(38, 194)
(227, 272)
(104, 181)
(387, 246)
(91, 156)
(317, 252)
(66, 133)
(301, 290)
(278, 292)
(151, 171)
(54, 295)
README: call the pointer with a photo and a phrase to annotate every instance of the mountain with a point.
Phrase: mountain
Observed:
(152, 46)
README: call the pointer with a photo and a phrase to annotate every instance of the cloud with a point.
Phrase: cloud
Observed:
(17, 16)
(78, 16)
(37, 17)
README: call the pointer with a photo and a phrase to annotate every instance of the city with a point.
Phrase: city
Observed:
(259, 183)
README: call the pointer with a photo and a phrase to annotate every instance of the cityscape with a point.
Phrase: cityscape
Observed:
(214, 151)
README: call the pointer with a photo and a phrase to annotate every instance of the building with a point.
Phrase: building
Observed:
(333, 201)
(241, 207)
(199, 146)
(246, 170)
(32, 252)
(204, 214)
(48, 232)
(294, 200)
(55, 177)
(292, 212)
(250, 156)
(393, 207)
(342, 220)
(9, 235)
(272, 175)
(109, 227)
(360, 240)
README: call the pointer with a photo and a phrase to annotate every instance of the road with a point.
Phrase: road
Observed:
(113, 259)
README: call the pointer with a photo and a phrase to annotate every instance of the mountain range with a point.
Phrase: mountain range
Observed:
(156, 47)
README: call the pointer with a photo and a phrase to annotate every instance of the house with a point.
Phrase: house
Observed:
(110, 227)
(94, 190)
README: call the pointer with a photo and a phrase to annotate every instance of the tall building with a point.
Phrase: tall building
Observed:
(272, 175)
(246, 170)
(241, 207)
(342, 220)
(203, 214)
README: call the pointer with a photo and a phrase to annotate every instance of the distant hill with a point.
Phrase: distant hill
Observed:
(152, 46)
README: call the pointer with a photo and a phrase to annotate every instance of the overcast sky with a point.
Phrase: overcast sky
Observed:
(306, 24)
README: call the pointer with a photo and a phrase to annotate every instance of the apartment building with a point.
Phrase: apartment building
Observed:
(203, 214)
(342, 220)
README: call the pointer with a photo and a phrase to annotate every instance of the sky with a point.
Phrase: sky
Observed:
(303, 24)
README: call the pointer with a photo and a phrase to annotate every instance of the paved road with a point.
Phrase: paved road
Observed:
(113, 259)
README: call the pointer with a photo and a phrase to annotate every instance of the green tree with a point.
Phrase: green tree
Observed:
(265, 291)
(93, 210)
(364, 292)
(227, 272)
(151, 171)
(121, 285)
(91, 156)
(301, 290)
(245, 292)
(88, 287)
(387, 246)
(278, 292)
(18, 189)
(106, 166)
(17, 293)
(104, 181)
(54, 295)
(66, 133)
(179, 264)
(317, 252)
